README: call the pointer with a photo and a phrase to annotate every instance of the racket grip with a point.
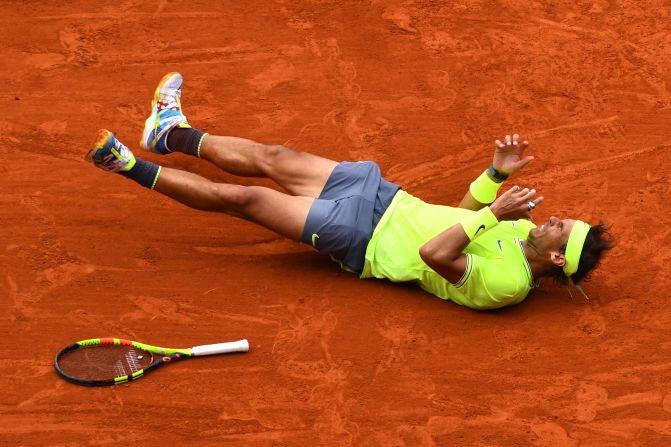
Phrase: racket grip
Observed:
(221, 348)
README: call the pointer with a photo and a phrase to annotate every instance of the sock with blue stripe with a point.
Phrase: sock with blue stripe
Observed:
(186, 140)
(144, 172)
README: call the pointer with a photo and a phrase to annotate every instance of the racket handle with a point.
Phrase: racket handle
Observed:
(221, 348)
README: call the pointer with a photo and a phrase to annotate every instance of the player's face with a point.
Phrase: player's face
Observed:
(552, 235)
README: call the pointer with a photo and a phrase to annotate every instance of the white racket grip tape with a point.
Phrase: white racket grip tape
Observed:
(221, 348)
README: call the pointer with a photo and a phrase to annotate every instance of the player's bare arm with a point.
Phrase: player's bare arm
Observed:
(444, 253)
(508, 159)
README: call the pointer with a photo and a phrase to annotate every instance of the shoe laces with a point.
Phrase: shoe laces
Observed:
(110, 162)
(168, 101)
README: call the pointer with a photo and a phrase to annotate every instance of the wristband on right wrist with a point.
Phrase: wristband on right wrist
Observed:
(479, 222)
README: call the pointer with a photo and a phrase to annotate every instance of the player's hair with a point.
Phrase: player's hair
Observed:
(598, 240)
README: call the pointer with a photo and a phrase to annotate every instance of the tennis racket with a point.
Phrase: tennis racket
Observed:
(112, 361)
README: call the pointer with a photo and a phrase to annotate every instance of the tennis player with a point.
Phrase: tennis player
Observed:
(484, 254)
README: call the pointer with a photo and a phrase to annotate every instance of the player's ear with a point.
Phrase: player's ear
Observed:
(557, 258)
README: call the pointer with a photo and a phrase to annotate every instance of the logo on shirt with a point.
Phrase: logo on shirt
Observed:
(499, 242)
(314, 239)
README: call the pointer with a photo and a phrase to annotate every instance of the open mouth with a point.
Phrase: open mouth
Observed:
(539, 230)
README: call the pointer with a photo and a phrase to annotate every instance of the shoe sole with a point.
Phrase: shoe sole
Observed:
(149, 122)
(103, 138)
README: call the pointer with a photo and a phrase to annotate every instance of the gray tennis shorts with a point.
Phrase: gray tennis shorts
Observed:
(342, 219)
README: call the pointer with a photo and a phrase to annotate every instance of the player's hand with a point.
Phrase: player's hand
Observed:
(515, 204)
(509, 155)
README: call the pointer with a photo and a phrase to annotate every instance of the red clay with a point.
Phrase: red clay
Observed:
(422, 87)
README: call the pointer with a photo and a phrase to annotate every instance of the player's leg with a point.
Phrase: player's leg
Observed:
(167, 130)
(279, 212)
(282, 213)
(300, 173)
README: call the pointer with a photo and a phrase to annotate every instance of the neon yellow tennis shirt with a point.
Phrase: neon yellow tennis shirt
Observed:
(497, 272)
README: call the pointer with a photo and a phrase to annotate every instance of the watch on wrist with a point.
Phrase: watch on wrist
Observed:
(496, 174)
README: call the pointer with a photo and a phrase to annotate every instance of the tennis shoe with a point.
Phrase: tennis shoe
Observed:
(166, 114)
(110, 154)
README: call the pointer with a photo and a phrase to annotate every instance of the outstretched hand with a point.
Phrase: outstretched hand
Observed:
(515, 204)
(509, 156)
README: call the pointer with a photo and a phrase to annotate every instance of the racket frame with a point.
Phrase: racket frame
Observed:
(164, 355)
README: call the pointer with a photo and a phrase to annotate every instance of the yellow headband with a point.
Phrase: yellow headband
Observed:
(576, 240)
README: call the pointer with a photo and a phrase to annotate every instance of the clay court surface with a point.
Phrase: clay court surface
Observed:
(423, 88)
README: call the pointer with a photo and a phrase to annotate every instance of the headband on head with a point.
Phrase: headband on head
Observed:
(576, 241)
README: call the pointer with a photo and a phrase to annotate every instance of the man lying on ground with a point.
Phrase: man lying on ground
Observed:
(484, 254)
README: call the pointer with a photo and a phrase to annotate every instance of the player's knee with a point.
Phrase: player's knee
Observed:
(247, 201)
(275, 151)
(271, 155)
(232, 199)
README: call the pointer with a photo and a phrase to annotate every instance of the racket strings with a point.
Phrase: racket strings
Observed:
(103, 362)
